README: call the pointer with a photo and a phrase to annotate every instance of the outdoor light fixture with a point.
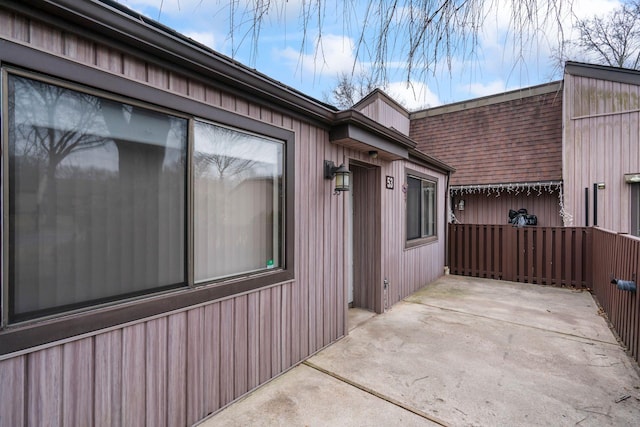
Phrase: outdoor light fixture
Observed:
(632, 178)
(373, 154)
(461, 205)
(341, 174)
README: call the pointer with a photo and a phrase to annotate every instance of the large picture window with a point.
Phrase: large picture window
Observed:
(421, 208)
(96, 198)
(238, 202)
(105, 200)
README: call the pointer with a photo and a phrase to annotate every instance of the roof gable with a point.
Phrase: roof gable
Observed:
(383, 109)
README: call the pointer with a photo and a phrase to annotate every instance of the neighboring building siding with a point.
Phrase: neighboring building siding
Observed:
(601, 144)
(489, 209)
(510, 138)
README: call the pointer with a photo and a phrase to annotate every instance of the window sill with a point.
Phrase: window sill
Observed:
(410, 244)
(36, 333)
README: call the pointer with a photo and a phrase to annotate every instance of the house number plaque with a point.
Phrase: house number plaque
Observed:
(389, 182)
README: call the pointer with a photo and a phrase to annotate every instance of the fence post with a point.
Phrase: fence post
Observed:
(579, 256)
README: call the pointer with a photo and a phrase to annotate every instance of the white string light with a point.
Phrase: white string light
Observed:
(517, 188)
(452, 217)
(567, 218)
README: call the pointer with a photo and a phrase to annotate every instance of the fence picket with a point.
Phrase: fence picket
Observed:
(560, 256)
(543, 255)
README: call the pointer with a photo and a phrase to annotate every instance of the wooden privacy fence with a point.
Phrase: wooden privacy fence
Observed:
(618, 256)
(561, 256)
(542, 255)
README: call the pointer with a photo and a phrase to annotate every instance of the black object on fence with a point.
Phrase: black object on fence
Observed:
(521, 218)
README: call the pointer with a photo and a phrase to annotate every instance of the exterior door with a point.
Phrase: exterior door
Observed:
(366, 269)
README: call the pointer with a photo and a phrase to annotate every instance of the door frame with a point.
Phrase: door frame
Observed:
(364, 237)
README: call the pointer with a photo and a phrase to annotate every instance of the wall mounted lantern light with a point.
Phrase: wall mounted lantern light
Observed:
(632, 178)
(461, 205)
(341, 174)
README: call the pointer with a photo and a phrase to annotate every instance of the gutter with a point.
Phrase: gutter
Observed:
(114, 22)
(432, 161)
(603, 72)
(126, 30)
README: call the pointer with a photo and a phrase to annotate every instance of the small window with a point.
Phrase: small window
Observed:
(238, 202)
(96, 199)
(421, 209)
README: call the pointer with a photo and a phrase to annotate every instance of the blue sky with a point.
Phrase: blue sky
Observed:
(496, 65)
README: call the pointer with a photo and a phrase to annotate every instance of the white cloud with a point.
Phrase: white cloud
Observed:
(511, 53)
(166, 6)
(501, 35)
(589, 8)
(333, 55)
(484, 89)
(412, 95)
(497, 64)
(278, 10)
(501, 12)
(206, 38)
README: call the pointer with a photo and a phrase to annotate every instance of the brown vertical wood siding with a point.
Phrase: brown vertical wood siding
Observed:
(366, 238)
(408, 269)
(489, 209)
(386, 114)
(177, 368)
(601, 144)
(174, 369)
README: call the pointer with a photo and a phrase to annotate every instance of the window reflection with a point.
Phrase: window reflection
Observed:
(97, 198)
(421, 208)
(238, 202)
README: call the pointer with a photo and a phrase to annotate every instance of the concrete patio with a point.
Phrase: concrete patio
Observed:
(462, 351)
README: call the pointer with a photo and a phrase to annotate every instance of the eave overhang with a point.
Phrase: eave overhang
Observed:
(114, 24)
(354, 130)
(603, 72)
(430, 161)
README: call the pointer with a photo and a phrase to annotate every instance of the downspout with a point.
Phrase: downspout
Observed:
(586, 206)
(595, 204)
(446, 223)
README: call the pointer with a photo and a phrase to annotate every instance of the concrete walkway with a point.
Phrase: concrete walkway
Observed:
(462, 351)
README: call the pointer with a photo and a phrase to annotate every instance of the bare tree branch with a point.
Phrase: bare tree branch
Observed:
(422, 35)
(612, 40)
(350, 89)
